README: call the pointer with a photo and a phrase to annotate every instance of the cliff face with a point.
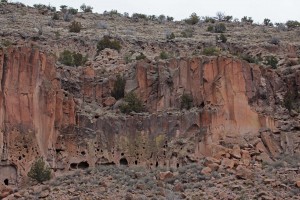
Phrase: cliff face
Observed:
(38, 118)
(31, 108)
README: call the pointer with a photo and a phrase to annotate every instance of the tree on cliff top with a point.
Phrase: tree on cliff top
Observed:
(39, 171)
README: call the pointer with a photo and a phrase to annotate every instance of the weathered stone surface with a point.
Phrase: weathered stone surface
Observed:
(63, 118)
(206, 170)
(165, 175)
(270, 143)
(236, 152)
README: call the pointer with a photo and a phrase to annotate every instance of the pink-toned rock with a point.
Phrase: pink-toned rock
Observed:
(165, 175)
(246, 158)
(228, 163)
(298, 183)
(270, 143)
(109, 101)
(244, 173)
(206, 171)
(236, 151)
(260, 147)
(178, 187)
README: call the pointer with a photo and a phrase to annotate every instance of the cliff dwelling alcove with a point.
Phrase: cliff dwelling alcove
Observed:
(83, 165)
(123, 161)
(8, 175)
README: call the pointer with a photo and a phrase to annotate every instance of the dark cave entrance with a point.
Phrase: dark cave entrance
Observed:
(83, 165)
(6, 181)
(123, 161)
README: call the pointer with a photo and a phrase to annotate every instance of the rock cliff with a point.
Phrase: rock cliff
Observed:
(62, 115)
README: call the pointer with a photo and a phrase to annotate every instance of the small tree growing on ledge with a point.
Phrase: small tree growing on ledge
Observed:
(132, 103)
(186, 101)
(39, 171)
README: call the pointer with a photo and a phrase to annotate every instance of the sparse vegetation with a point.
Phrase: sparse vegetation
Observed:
(132, 104)
(287, 101)
(72, 58)
(275, 41)
(210, 28)
(210, 51)
(193, 19)
(170, 36)
(272, 61)
(246, 19)
(106, 42)
(267, 22)
(119, 87)
(220, 28)
(250, 59)
(186, 101)
(39, 171)
(75, 27)
(140, 57)
(187, 33)
(164, 55)
(86, 8)
(222, 38)
(55, 16)
(292, 24)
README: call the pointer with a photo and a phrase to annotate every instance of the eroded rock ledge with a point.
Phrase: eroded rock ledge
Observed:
(38, 117)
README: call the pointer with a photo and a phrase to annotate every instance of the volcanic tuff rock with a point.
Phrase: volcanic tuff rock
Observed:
(39, 118)
(238, 124)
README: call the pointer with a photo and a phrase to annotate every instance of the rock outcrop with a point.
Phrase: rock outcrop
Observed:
(70, 121)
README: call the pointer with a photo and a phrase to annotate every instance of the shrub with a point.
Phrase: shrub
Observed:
(274, 40)
(220, 16)
(163, 55)
(63, 8)
(72, 58)
(186, 101)
(170, 19)
(39, 171)
(140, 57)
(139, 16)
(132, 104)
(210, 28)
(228, 18)
(292, 24)
(187, 33)
(75, 27)
(267, 22)
(86, 9)
(193, 19)
(55, 16)
(105, 42)
(161, 18)
(210, 51)
(281, 26)
(170, 36)
(102, 25)
(73, 11)
(288, 101)
(209, 20)
(222, 38)
(246, 19)
(249, 58)
(67, 17)
(272, 61)
(3, 1)
(220, 28)
(119, 86)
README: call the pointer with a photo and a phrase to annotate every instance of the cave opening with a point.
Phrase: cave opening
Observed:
(6, 181)
(123, 161)
(73, 165)
(83, 165)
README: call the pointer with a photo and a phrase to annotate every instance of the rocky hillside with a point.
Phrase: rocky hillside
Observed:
(186, 116)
